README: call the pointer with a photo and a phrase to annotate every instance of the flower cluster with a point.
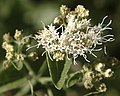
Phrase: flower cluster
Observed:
(75, 35)
(94, 76)
(14, 48)
(9, 50)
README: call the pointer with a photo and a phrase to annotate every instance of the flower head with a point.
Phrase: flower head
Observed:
(20, 57)
(99, 67)
(33, 56)
(9, 55)
(7, 47)
(49, 39)
(102, 88)
(58, 56)
(88, 84)
(17, 34)
(108, 73)
(77, 36)
(64, 10)
(14, 48)
(82, 12)
(7, 37)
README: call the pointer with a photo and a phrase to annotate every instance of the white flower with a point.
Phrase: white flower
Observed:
(88, 84)
(98, 76)
(20, 57)
(102, 88)
(7, 37)
(64, 10)
(17, 34)
(7, 47)
(82, 12)
(108, 73)
(48, 38)
(58, 56)
(72, 40)
(77, 38)
(9, 55)
(89, 75)
(99, 67)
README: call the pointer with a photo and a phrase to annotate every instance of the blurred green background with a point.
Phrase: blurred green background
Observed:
(27, 15)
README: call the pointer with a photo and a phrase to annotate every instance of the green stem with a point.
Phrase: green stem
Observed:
(31, 87)
(44, 80)
(92, 93)
(42, 68)
(37, 77)
(49, 91)
(26, 88)
(12, 85)
(18, 46)
(31, 72)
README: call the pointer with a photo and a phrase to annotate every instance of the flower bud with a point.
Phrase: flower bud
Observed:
(88, 84)
(58, 20)
(33, 56)
(9, 55)
(7, 37)
(82, 12)
(108, 73)
(64, 10)
(99, 67)
(20, 57)
(58, 56)
(17, 34)
(5, 64)
(102, 88)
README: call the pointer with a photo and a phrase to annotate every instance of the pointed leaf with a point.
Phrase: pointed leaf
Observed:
(74, 78)
(58, 71)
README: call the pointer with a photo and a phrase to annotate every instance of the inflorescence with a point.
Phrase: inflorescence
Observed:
(74, 37)
(14, 48)
(94, 76)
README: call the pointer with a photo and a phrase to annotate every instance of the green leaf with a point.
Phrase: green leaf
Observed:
(74, 78)
(18, 65)
(58, 71)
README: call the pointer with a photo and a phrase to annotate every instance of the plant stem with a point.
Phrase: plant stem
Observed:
(31, 87)
(31, 72)
(12, 85)
(42, 68)
(44, 80)
(24, 90)
(49, 91)
(91, 93)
